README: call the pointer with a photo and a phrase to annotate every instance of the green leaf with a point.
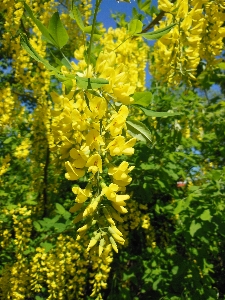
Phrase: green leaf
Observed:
(96, 37)
(29, 250)
(142, 98)
(62, 78)
(148, 166)
(37, 226)
(144, 5)
(40, 26)
(8, 140)
(61, 210)
(221, 65)
(39, 298)
(76, 15)
(60, 227)
(58, 31)
(47, 246)
(87, 101)
(135, 26)
(90, 83)
(180, 206)
(66, 63)
(155, 284)
(151, 113)
(27, 46)
(88, 29)
(156, 34)
(206, 216)
(139, 131)
(194, 227)
(66, 215)
(68, 85)
(175, 270)
(31, 196)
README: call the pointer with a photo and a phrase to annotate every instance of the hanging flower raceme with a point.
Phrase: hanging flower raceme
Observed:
(89, 129)
(198, 38)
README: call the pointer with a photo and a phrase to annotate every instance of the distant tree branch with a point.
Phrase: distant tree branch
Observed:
(155, 21)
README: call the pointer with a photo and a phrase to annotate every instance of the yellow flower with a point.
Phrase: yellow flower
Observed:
(98, 107)
(123, 92)
(118, 146)
(110, 190)
(94, 163)
(94, 139)
(73, 173)
(79, 157)
(120, 174)
(82, 195)
(165, 5)
(110, 193)
(79, 53)
(118, 121)
(65, 147)
(78, 120)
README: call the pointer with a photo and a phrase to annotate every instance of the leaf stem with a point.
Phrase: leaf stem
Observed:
(97, 5)
(123, 42)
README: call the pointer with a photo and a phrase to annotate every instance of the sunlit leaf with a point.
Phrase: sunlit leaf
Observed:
(206, 216)
(157, 34)
(142, 98)
(139, 131)
(151, 113)
(61, 210)
(76, 15)
(27, 46)
(68, 85)
(58, 31)
(135, 26)
(90, 83)
(40, 26)
(194, 227)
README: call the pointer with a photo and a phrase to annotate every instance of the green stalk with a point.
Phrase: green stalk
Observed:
(123, 42)
(97, 5)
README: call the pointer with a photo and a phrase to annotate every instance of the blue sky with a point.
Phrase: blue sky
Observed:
(112, 6)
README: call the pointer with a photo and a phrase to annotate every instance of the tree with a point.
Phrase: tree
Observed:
(91, 159)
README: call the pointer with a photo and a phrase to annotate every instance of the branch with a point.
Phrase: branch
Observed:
(156, 20)
(25, 95)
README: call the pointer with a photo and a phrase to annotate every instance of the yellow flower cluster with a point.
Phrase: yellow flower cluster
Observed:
(4, 164)
(88, 129)
(22, 151)
(212, 42)
(15, 278)
(132, 53)
(7, 102)
(101, 269)
(136, 218)
(62, 270)
(85, 8)
(186, 131)
(5, 238)
(145, 221)
(13, 11)
(198, 36)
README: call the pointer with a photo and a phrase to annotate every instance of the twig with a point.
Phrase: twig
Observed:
(156, 20)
